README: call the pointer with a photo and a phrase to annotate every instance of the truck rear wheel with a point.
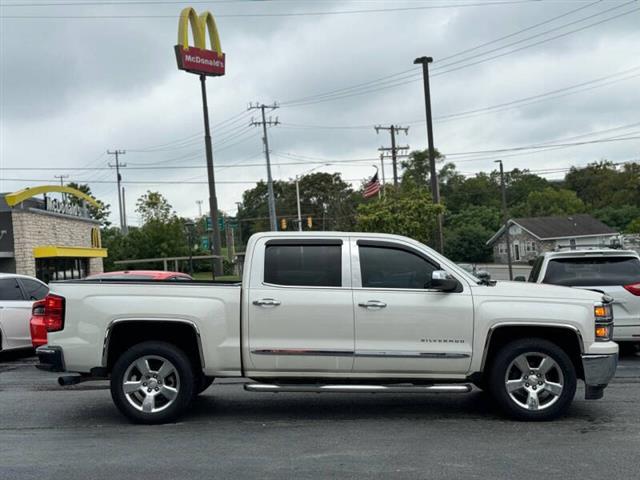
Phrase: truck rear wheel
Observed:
(533, 379)
(152, 382)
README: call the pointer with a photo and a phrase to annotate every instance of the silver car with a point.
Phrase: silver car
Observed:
(613, 272)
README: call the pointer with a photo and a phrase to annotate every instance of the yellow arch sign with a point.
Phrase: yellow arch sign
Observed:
(197, 58)
(199, 26)
(21, 195)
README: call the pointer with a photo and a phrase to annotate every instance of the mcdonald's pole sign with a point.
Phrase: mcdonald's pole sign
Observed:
(198, 59)
(205, 63)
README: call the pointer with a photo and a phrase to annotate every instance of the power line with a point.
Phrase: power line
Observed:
(405, 79)
(281, 14)
(416, 74)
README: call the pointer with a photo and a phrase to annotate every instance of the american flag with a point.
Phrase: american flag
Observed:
(372, 187)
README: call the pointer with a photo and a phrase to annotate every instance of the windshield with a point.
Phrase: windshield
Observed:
(585, 272)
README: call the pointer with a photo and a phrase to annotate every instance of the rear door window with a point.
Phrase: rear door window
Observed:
(585, 272)
(10, 290)
(35, 290)
(303, 265)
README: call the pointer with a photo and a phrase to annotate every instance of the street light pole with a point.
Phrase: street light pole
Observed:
(505, 218)
(190, 226)
(298, 203)
(213, 199)
(435, 189)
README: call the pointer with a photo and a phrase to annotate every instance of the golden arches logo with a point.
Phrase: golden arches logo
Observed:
(198, 59)
(96, 241)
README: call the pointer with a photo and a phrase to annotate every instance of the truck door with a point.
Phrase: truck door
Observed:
(401, 325)
(300, 308)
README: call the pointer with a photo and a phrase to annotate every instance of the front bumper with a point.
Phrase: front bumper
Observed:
(51, 358)
(599, 369)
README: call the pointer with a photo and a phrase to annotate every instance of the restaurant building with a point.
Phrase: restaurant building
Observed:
(48, 233)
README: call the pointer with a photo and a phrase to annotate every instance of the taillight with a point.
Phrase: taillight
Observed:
(53, 312)
(603, 313)
(633, 288)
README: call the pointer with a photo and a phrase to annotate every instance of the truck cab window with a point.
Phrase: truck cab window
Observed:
(303, 265)
(386, 267)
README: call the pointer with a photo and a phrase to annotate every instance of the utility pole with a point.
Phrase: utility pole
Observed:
(118, 166)
(505, 218)
(393, 129)
(124, 213)
(199, 202)
(298, 203)
(433, 174)
(61, 177)
(211, 180)
(273, 221)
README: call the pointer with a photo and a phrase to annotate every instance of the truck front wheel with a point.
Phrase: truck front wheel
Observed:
(533, 379)
(152, 382)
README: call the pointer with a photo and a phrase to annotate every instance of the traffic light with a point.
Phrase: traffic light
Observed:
(309, 222)
(283, 224)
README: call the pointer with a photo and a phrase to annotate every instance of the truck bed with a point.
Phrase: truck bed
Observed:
(211, 308)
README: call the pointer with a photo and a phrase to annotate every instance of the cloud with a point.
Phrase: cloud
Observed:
(75, 88)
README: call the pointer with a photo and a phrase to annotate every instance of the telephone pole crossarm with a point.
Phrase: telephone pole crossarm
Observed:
(393, 149)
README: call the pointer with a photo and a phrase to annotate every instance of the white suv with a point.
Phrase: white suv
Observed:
(613, 272)
(17, 294)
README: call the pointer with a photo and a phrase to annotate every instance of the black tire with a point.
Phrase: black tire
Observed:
(536, 395)
(181, 381)
(202, 383)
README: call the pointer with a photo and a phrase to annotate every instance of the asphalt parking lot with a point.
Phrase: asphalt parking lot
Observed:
(47, 432)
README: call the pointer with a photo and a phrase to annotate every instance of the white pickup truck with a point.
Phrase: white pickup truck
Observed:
(332, 312)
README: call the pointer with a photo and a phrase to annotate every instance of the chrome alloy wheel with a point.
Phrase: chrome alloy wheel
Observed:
(151, 384)
(534, 381)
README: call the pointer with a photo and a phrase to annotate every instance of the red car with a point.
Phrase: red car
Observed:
(140, 275)
(41, 310)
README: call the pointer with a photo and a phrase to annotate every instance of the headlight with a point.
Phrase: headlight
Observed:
(603, 313)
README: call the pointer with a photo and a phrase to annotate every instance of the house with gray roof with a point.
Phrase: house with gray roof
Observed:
(531, 236)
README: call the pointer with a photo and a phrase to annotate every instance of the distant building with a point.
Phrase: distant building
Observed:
(531, 236)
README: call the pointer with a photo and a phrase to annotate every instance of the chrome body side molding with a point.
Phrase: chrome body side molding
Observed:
(358, 353)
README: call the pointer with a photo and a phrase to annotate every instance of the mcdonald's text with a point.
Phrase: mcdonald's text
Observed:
(202, 62)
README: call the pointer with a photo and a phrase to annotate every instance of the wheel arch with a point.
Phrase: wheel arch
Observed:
(567, 337)
(121, 334)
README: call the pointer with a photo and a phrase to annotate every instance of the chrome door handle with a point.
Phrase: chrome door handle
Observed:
(372, 304)
(266, 302)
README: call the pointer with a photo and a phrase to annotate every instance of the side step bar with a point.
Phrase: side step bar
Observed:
(275, 388)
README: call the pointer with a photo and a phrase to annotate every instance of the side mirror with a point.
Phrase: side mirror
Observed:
(520, 278)
(441, 280)
(483, 275)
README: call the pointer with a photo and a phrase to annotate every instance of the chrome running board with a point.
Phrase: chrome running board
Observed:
(275, 388)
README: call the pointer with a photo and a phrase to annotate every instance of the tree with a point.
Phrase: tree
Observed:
(488, 217)
(553, 201)
(154, 206)
(595, 183)
(404, 213)
(100, 213)
(325, 197)
(467, 243)
(416, 169)
(618, 217)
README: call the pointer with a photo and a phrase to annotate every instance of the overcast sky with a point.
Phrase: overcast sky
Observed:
(78, 79)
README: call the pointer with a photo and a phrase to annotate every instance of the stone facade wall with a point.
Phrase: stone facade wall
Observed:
(33, 229)
(530, 247)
